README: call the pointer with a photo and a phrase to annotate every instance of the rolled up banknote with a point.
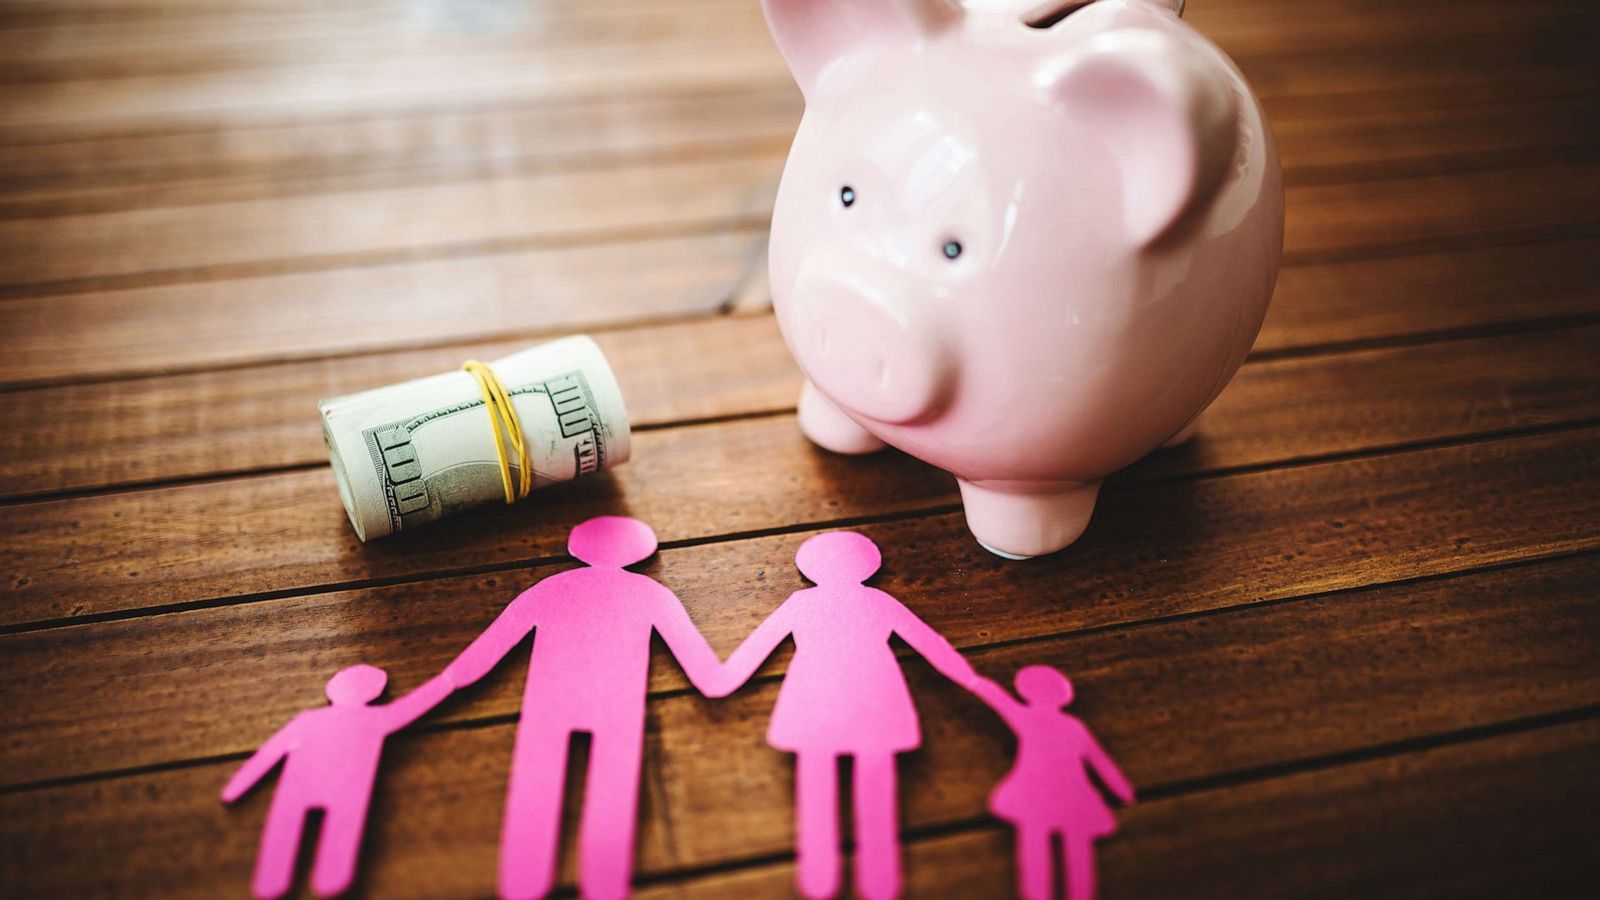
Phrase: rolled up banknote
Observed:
(408, 454)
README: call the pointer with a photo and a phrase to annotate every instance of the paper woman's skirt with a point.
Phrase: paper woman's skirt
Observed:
(821, 712)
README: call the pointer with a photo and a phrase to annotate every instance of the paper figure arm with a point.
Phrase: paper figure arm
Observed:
(756, 648)
(405, 710)
(260, 763)
(689, 646)
(998, 698)
(1111, 776)
(933, 647)
(488, 648)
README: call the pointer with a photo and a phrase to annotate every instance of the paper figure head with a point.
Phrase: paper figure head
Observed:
(1044, 686)
(356, 685)
(838, 557)
(612, 541)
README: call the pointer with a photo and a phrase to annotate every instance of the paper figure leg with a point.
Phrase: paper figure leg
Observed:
(338, 848)
(528, 841)
(610, 813)
(280, 844)
(1078, 866)
(816, 809)
(1034, 863)
(877, 828)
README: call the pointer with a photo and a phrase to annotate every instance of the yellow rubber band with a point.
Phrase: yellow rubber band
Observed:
(507, 430)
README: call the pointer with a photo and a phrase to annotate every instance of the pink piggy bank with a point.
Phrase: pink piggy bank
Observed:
(1027, 246)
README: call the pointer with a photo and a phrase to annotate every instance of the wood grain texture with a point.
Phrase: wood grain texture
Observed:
(1518, 119)
(719, 45)
(236, 421)
(317, 313)
(121, 43)
(284, 235)
(394, 224)
(1198, 546)
(204, 541)
(1504, 816)
(1438, 646)
(1345, 642)
(240, 420)
(263, 320)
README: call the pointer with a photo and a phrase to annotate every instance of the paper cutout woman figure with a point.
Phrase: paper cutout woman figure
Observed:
(589, 672)
(844, 695)
(330, 761)
(1048, 792)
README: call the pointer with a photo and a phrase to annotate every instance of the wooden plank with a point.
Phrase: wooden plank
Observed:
(1397, 43)
(714, 58)
(1362, 301)
(116, 333)
(1194, 546)
(297, 157)
(205, 37)
(1517, 121)
(239, 420)
(1437, 211)
(318, 314)
(210, 39)
(1181, 702)
(404, 223)
(1518, 117)
(230, 538)
(1245, 697)
(1325, 222)
(1326, 137)
(689, 483)
(399, 224)
(1511, 815)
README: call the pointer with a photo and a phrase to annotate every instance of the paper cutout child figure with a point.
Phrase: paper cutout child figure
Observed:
(1048, 793)
(330, 761)
(589, 673)
(844, 695)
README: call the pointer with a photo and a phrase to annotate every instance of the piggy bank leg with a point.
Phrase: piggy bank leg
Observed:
(1022, 519)
(831, 429)
(1184, 434)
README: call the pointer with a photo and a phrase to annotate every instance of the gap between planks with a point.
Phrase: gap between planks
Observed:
(769, 677)
(1281, 547)
(917, 488)
(920, 843)
(750, 378)
(1222, 778)
(736, 264)
(1396, 215)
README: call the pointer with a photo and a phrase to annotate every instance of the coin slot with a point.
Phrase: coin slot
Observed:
(1051, 13)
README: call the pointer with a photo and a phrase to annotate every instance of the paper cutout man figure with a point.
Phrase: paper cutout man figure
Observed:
(1048, 792)
(844, 695)
(330, 761)
(589, 672)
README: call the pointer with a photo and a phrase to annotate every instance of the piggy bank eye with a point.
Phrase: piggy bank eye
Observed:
(847, 196)
(952, 249)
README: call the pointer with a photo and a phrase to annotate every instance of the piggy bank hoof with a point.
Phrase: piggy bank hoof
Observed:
(1021, 520)
(1003, 554)
(830, 429)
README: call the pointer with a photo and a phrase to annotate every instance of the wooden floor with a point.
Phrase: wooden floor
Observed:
(1346, 644)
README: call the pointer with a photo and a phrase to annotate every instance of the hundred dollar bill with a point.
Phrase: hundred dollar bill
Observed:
(408, 454)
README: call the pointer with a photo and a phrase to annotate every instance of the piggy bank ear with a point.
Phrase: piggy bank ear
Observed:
(814, 34)
(1167, 115)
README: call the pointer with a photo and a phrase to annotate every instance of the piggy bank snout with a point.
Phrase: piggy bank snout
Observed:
(870, 354)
